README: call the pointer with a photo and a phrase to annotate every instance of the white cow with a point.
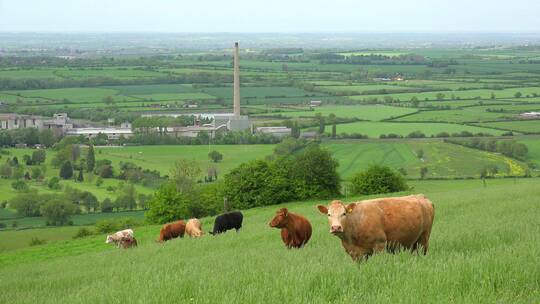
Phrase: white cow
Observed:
(118, 236)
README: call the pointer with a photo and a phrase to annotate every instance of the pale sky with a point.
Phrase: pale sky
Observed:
(270, 15)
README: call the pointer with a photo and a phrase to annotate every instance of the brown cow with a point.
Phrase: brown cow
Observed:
(194, 228)
(172, 230)
(295, 229)
(370, 226)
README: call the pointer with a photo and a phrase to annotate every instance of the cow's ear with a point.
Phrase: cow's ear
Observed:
(284, 211)
(350, 207)
(322, 209)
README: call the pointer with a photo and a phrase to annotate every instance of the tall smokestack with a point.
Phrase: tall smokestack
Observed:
(236, 96)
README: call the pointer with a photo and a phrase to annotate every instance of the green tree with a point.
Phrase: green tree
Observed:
(215, 156)
(106, 205)
(26, 204)
(184, 175)
(80, 177)
(99, 181)
(518, 95)
(54, 183)
(167, 205)
(89, 201)
(320, 119)
(90, 159)
(66, 171)
(377, 179)
(58, 212)
(332, 119)
(39, 156)
(423, 172)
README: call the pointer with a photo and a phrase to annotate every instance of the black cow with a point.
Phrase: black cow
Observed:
(227, 221)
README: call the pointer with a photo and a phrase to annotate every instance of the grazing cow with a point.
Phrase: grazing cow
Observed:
(172, 230)
(370, 226)
(295, 229)
(117, 237)
(227, 221)
(194, 228)
(128, 242)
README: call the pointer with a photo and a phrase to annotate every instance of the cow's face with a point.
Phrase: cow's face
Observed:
(336, 213)
(280, 219)
(109, 239)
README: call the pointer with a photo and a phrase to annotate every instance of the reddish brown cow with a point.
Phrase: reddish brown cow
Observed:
(172, 230)
(295, 229)
(370, 226)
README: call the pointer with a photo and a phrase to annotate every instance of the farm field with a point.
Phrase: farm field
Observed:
(469, 114)
(162, 158)
(375, 129)
(525, 126)
(441, 159)
(364, 112)
(534, 150)
(481, 241)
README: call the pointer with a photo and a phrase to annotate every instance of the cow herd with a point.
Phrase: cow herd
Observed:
(364, 227)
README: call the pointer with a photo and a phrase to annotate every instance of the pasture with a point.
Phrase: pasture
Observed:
(443, 160)
(484, 248)
(525, 126)
(375, 129)
(363, 112)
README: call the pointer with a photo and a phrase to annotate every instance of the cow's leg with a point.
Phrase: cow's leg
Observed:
(424, 241)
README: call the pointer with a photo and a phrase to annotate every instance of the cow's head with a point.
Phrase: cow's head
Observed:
(336, 212)
(280, 219)
(110, 239)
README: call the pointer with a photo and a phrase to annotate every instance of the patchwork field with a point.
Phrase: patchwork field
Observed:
(481, 241)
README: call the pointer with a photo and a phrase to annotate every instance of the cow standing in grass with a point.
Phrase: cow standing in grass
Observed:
(117, 237)
(371, 226)
(194, 228)
(227, 221)
(295, 229)
(172, 230)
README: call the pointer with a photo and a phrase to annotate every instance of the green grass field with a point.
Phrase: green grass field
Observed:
(374, 129)
(364, 112)
(162, 158)
(484, 249)
(534, 150)
(441, 159)
(526, 126)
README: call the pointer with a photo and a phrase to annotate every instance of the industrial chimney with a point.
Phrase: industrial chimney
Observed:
(236, 96)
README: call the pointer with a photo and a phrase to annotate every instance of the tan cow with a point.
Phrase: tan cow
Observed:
(194, 228)
(370, 226)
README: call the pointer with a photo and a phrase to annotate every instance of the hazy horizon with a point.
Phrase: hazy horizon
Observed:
(280, 16)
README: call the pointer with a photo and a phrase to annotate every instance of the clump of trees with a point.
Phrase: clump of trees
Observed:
(378, 179)
(510, 148)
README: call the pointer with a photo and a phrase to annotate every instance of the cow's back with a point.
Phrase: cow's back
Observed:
(405, 219)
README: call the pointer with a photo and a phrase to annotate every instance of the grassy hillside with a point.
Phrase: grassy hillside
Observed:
(484, 249)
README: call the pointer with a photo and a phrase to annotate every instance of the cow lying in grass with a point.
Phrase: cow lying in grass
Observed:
(117, 237)
(371, 226)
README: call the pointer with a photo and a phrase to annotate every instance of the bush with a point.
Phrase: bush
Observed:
(116, 224)
(308, 174)
(20, 185)
(36, 241)
(167, 205)
(107, 205)
(83, 232)
(2, 225)
(54, 183)
(58, 212)
(378, 179)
